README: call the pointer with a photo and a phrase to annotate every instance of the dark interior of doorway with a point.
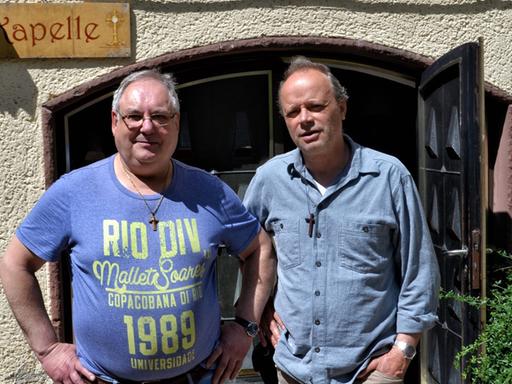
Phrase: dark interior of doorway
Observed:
(381, 115)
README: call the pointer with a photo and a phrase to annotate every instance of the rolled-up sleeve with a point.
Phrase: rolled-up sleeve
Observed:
(419, 270)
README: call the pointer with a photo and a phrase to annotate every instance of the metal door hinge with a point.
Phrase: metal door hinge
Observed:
(476, 251)
(456, 252)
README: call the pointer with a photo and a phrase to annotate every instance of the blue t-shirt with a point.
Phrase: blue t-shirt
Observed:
(144, 302)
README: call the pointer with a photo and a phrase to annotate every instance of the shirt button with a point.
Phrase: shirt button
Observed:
(317, 322)
(317, 349)
(366, 229)
(317, 293)
(318, 263)
(318, 235)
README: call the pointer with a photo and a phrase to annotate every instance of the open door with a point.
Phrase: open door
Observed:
(451, 157)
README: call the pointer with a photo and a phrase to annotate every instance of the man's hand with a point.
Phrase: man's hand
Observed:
(276, 328)
(393, 363)
(62, 365)
(230, 353)
(271, 326)
(264, 334)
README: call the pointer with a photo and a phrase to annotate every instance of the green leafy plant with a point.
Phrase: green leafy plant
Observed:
(489, 357)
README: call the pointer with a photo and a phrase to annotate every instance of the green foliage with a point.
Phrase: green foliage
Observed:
(489, 357)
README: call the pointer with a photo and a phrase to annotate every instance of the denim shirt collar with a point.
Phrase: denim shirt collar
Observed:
(352, 170)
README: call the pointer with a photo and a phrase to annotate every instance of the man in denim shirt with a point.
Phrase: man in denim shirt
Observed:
(357, 275)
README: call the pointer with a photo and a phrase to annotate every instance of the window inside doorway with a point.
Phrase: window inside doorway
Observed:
(226, 121)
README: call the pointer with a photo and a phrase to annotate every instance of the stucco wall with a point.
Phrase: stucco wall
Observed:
(426, 27)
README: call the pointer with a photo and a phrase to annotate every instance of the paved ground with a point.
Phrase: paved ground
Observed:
(247, 379)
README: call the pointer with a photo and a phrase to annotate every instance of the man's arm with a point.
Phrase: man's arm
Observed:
(258, 277)
(17, 272)
(419, 288)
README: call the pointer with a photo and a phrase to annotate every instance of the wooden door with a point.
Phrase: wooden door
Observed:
(450, 181)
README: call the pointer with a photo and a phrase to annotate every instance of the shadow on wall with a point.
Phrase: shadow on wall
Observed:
(6, 48)
(18, 89)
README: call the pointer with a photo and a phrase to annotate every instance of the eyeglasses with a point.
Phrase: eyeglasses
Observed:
(136, 120)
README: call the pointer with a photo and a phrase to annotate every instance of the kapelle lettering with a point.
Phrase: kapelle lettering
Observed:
(34, 33)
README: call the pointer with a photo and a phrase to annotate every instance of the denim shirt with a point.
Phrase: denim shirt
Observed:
(367, 272)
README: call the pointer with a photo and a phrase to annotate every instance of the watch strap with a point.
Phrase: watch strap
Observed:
(251, 327)
(240, 320)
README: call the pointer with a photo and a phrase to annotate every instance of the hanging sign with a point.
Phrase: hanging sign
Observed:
(46, 30)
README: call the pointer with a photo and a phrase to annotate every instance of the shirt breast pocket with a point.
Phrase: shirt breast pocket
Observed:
(364, 247)
(286, 242)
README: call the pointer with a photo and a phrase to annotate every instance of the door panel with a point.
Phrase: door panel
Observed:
(449, 180)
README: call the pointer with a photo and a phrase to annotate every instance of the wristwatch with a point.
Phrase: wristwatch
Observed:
(251, 328)
(408, 350)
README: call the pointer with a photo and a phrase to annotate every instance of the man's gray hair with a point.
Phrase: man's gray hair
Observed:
(166, 79)
(301, 63)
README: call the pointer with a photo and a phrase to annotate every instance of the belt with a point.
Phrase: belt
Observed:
(194, 374)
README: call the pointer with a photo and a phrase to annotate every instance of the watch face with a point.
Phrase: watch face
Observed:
(409, 352)
(252, 329)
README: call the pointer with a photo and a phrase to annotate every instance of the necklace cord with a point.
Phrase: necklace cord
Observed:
(153, 220)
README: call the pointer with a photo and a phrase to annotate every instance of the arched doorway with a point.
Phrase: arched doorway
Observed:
(230, 123)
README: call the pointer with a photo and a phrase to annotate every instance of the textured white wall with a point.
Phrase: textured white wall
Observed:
(426, 27)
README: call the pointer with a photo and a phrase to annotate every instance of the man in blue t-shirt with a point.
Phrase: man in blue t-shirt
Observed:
(142, 232)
